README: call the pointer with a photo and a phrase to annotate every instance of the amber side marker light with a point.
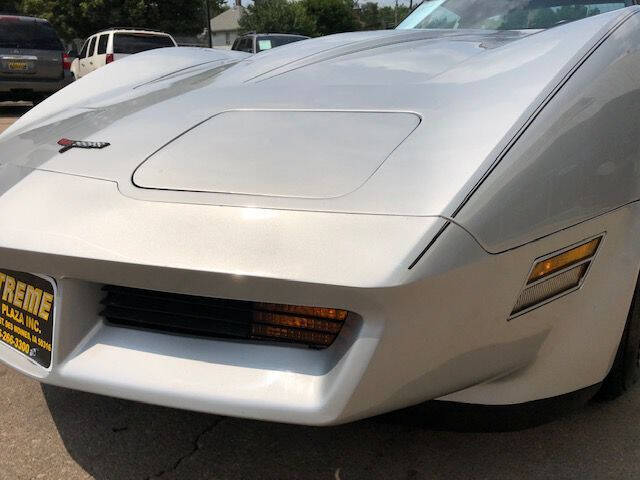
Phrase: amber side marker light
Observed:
(566, 259)
(557, 275)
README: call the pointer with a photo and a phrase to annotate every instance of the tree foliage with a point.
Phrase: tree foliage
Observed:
(319, 17)
(332, 16)
(81, 18)
(216, 7)
(370, 18)
(373, 17)
(9, 6)
(542, 17)
(390, 17)
(281, 16)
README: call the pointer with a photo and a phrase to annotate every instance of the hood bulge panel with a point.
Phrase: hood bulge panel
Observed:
(278, 153)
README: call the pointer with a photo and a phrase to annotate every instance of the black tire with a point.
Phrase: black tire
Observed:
(625, 371)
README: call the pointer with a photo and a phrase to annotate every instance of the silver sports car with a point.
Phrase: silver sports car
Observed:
(339, 227)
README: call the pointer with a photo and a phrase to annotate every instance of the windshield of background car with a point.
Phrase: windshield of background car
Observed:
(135, 43)
(272, 41)
(504, 14)
(28, 34)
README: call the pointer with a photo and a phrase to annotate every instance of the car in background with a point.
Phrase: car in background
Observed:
(33, 64)
(257, 42)
(110, 45)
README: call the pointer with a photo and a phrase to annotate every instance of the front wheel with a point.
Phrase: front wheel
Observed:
(625, 371)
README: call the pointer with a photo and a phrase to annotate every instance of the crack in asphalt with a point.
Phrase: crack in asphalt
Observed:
(195, 448)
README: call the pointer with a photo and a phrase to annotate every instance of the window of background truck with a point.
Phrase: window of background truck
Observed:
(131, 43)
(28, 34)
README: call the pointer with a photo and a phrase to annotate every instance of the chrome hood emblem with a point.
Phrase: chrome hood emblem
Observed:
(67, 144)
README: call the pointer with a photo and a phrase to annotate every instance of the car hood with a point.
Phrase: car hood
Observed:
(393, 122)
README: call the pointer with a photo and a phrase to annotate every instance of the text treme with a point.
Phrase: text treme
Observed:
(25, 296)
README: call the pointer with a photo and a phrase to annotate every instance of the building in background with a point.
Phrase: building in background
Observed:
(225, 27)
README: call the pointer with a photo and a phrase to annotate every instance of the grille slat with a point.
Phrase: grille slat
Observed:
(177, 297)
(183, 309)
(166, 322)
(214, 317)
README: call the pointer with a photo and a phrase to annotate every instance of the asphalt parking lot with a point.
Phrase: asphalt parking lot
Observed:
(53, 433)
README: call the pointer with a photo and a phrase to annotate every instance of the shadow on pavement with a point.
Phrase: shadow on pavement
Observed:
(117, 439)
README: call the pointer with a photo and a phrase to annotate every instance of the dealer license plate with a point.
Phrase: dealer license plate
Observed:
(26, 314)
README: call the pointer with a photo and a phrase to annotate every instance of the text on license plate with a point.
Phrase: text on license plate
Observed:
(18, 65)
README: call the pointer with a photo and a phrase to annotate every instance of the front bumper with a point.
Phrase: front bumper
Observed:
(439, 329)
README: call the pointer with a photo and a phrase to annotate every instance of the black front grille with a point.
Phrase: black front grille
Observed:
(207, 317)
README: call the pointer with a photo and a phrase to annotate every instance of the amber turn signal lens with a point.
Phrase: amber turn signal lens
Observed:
(552, 265)
(292, 323)
(328, 313)
(292, 335)
(297, 322)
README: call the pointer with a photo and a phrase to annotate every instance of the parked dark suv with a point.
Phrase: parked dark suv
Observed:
(33, 64)
(257, 42)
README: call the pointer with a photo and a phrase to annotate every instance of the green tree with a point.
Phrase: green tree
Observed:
(369, 15)
(390, 17)
(332, 16)
(513, 20)
(543, 18)
(281, 16)
(183, 17)
(569, 13)
(79, 19)
(10, 6)
(216, 7)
